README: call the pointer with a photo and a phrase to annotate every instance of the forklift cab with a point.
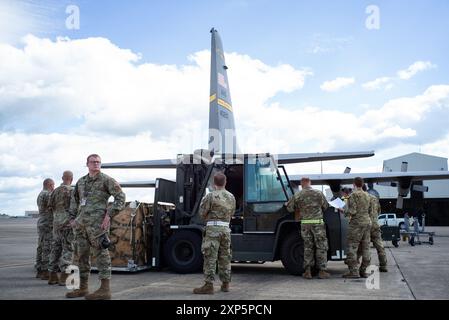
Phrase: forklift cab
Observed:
(260, 190)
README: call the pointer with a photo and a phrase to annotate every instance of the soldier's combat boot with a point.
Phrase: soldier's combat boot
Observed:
(363, 273)
(383, 269)
(323, 274)
(53, 279)
(103, 293)
(38, 274)
(225, 287)
(81, 292)
(352, 274)
(63, 278)
(307, 274)
(45, 275)
(208, 288)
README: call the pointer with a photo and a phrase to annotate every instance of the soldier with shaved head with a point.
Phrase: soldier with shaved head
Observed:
(44, 228)
(310, 204)
(62, 245)
(216, 209)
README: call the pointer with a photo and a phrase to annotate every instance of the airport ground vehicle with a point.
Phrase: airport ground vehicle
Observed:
(391, 233)
(261, 229)
(390, 219)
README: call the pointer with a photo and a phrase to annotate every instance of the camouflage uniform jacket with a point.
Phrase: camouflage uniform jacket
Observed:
(359, 207)
(60, 204)
(91, 195)
(310, 202)
(218, 205)
(45, 215)
(374, 211)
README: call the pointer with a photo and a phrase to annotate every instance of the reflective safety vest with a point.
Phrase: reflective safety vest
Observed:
(312, 221)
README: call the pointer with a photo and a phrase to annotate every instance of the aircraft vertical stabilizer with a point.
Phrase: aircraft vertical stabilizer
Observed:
(222, 135)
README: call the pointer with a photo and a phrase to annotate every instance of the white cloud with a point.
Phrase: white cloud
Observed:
(107, 89)
(379, 83)
(337, 84)
(413, 69)
(387, 83)
(62, 100)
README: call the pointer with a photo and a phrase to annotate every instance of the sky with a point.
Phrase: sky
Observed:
(130, 81)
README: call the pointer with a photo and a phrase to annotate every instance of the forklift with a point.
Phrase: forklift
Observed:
(261, 228)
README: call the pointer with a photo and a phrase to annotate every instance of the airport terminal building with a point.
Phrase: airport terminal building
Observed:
(434, 203)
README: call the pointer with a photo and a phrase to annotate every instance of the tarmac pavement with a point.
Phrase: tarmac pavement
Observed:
(419, 272)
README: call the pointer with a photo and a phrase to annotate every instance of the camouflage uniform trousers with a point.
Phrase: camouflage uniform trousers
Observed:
(376, 239)
(87, 233)
(61, 250)
(315, 244)
(43, 247)
(358, 235)
(216, 246)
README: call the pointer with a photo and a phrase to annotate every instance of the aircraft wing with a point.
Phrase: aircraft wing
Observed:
(138, 184)
(146, 164)
(281, 158)
(310, 157)
(348, 178)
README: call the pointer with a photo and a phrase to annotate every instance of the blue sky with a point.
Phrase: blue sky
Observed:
(132, 83)
(280, 32)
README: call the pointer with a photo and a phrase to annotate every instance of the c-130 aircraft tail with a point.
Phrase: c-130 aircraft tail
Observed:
(222, 134)
(222, 130)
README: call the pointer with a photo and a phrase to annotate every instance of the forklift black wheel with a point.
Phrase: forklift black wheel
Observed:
(431, 240)
(183, 252)
(395, 243)
(292, 254)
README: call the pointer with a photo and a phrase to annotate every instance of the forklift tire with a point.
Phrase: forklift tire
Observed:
(182, 252)
(431, 240)
(292, 254)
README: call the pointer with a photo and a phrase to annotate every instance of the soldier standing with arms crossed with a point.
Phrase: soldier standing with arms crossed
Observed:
(359, 230)
(311, 204)
(216, 209)
(44, 229)
(89, 206)
(62, 247)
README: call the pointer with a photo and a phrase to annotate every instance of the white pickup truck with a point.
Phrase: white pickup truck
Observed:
(390, 219)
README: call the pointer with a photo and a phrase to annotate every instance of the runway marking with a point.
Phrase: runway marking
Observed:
(16, 265)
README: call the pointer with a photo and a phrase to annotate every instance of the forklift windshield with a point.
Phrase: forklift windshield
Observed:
(262, 180)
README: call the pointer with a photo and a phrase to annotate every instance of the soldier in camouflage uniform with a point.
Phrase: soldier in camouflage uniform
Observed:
(216, 209)
(375, 234)
(62, 246)
(44, 229)
(311, 204)
(90, 219)
(358, 209)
